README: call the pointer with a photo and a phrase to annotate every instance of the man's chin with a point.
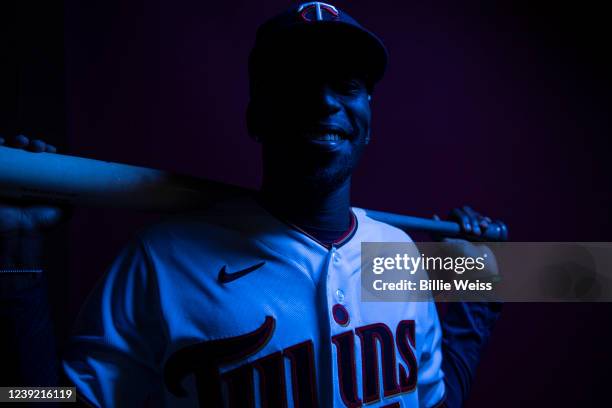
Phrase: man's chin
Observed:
(324, 181)
(318, 174)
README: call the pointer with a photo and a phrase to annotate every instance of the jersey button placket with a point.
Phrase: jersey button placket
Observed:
(335, 292)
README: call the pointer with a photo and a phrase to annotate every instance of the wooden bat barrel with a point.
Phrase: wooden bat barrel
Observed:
(59, 178)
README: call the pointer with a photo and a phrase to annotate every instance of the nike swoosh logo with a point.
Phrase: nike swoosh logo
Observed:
(225, 277)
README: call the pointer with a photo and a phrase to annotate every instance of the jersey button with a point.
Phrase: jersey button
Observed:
(336, 257)
(340, 296)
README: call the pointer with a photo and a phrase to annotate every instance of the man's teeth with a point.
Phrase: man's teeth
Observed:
(327, 137)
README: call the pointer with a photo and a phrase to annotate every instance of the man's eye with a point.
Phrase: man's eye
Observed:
(349, 86)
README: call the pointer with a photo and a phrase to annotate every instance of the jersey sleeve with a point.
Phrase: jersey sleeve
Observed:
(467, 327)
(113, 356)
(430, 382)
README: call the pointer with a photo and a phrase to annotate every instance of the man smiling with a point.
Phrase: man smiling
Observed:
(255, 301)
(312, 73)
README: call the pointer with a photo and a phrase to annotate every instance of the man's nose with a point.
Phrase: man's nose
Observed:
(327, 101)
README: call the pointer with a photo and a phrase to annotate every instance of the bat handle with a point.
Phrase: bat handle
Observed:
(445, 228)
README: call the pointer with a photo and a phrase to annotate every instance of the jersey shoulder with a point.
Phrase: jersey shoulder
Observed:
(225, 220)
(376, 231)
(192, 246)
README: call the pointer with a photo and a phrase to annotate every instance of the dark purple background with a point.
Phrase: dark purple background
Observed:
(503, 106)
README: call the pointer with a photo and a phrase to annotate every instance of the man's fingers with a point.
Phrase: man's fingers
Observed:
(459, 215)
(37, 146)
(469, 211)
(23, 142)
(484, 224)
(503, 230)
(44, 217)
(475, 225)
(480, 224)
(19, 141)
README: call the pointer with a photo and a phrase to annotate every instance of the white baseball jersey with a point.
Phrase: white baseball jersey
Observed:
(234, 307)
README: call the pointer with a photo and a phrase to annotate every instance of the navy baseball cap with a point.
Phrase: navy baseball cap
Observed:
(318, 31)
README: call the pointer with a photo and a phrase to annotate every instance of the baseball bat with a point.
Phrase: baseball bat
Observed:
(64, 179)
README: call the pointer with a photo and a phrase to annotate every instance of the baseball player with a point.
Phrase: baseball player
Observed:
(255, 301)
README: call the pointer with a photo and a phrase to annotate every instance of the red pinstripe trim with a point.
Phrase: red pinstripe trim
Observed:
(337, 243)
(349, 233)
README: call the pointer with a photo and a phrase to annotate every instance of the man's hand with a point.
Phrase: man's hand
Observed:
(30, 355)
(27, 219)
(473, 228)
(467, 326)
(474, 225)
(21, 230)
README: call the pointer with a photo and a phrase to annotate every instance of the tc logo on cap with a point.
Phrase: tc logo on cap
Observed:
(317, 11)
